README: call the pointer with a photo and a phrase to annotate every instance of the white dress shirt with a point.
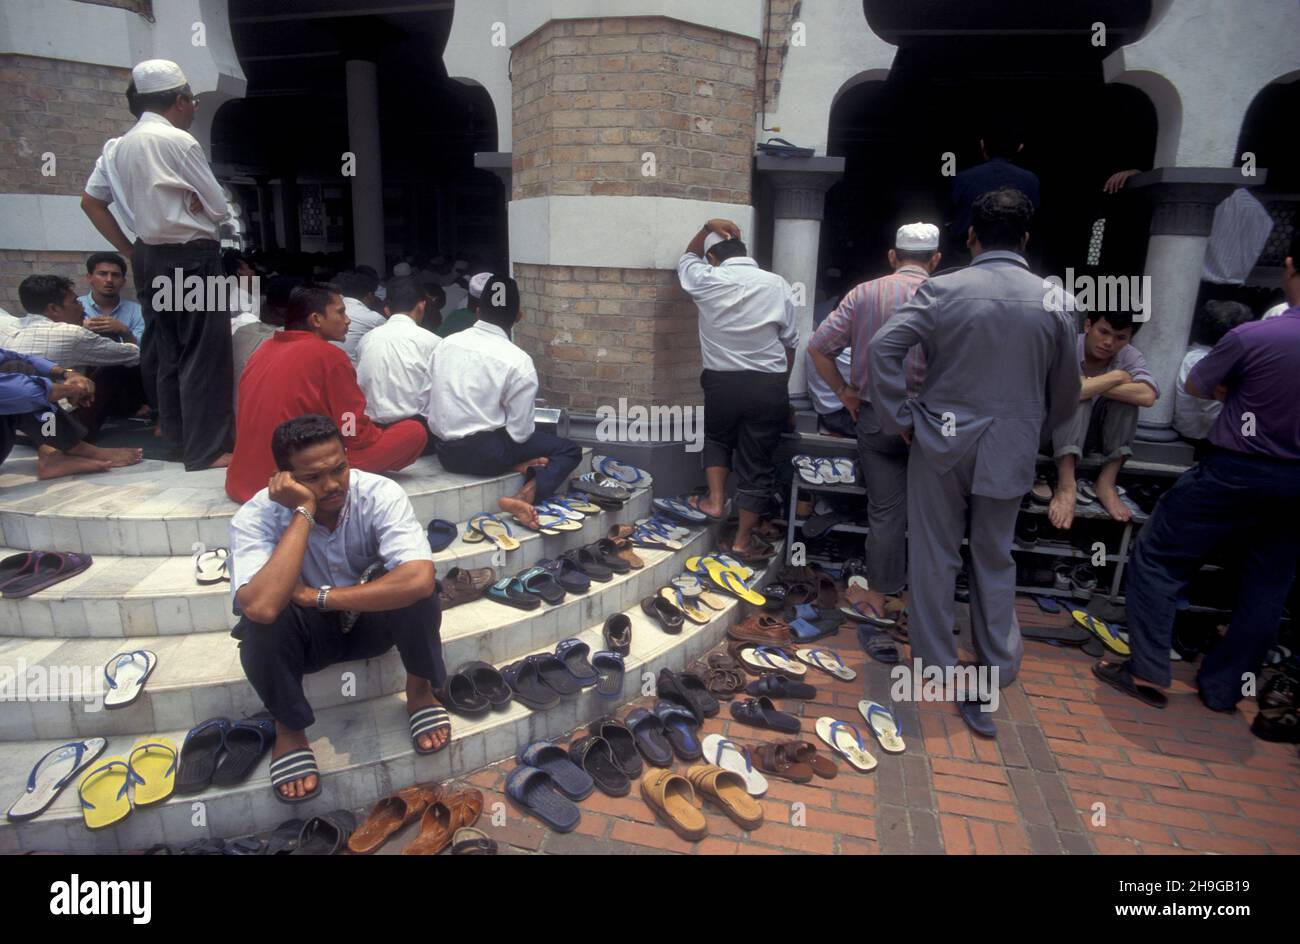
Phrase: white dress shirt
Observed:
(362, 320)
(377, 523)
(67, 345)
(150, 173)
(1193, 416)
(394, 367)
(481, 381)
(746, 314)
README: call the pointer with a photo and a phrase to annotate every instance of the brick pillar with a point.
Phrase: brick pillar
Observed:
(596, 104)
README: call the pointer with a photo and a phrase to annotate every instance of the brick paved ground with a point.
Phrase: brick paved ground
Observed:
(1183, 780)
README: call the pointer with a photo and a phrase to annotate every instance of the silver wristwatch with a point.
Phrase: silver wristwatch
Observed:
(302, 510)
(321, 594)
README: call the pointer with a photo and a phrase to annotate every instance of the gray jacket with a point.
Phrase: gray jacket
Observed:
(999, 363)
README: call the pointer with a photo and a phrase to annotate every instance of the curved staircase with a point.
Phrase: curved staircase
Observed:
(144, 524)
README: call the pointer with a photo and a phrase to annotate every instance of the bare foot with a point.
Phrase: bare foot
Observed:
(706, 504)
(54, 465)
(286, 741)
(1061, 511)
(157, 431)
(524, 512)
(523, 467)
(1110, 500)
(221, 461)
(419, 694)
(117, 458)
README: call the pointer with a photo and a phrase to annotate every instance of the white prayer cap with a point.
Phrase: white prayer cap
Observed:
(476, 284)
(917, 237)
(157, 75)
(712, 240)
(402, 270)
(460, 265)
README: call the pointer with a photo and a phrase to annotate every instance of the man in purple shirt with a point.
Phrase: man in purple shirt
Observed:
(1115, 382)
(1244, 495)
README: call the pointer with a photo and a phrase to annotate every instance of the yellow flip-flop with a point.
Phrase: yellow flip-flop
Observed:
(103, 793)
(153, 763)
(727, 579)
(678, 599)
(696, 566)
(1101, 629)
(495, 530)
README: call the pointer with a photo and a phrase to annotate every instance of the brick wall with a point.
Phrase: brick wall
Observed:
(591, 97)
(597, 334)
(17, 264)
(781, 14)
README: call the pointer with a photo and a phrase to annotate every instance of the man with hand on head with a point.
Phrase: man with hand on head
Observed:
(298, 551)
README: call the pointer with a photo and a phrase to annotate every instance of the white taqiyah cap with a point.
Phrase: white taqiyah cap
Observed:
(712, 240)
(402, 269)
(157, 75)
(477, 282)
(917, 237)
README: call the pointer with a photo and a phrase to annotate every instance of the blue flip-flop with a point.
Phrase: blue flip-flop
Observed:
(58, 768)
(441, 534)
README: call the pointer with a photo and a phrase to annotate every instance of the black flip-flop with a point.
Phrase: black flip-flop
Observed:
(779, 686)
(246, 741)
(327, 834)
(488, 682)
(586, 561)
(526, 682)
(462, 696)
(611, 669)
(651, 741)
(688, 691)
(554, 674)
(595, 756)
(284, 838)
(679, 726)
(542, 583)
(198, 761)
(567, 574)
(573, 653)
(1118, 677)
(621, 741)
(761, 713)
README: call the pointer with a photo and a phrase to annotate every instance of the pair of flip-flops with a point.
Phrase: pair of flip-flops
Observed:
(223, 753)
(488, 527)
(623, 472)
(824, 470)
(23, 574)
(106, 792)
(539, 681)
(682, 509)
(475, 689)
(847, 741)
(727, 574)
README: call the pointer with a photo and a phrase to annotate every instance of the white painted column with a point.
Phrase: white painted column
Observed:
(368, 184)
(800, 185)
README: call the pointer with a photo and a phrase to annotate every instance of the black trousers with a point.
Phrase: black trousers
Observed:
(493, 452)
(745, 413)
(301, 641)
(119, 391)
(189, 349)
(58, 429)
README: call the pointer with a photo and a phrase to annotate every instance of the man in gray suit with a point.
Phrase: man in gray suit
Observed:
(999, 363)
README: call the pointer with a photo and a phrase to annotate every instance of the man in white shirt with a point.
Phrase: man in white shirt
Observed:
(361, 306)
(480, 406)
(298, 551)
(158, 178)
(747, 342)
(396, 359)
(53, 330)
(1193, 416)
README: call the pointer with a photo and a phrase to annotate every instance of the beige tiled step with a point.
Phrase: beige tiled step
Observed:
(199, 676)
(363, 749)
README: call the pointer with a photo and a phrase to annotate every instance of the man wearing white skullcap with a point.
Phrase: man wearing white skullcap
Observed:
(882, 455)
(747, 343)
(158, 179)
(999, 362)
(462, 318)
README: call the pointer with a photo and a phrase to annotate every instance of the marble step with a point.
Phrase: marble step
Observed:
(157, 509)
(120, 597)
(199, 676)
(364, 752)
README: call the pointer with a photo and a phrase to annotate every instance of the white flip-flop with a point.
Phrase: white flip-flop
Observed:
(828, 660)
(125, 674)
(52, 773)
(212, 566)
(845, 740)
(846, 470)
(884, 725)
(770, 658)
(808, 470)
(729, 755)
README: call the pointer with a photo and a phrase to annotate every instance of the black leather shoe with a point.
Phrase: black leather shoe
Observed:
(977, 719)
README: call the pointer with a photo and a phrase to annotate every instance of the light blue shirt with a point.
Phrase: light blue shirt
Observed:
(127, 312)
(377, 523)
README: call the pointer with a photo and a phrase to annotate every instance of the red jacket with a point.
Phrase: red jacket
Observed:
(290, 374)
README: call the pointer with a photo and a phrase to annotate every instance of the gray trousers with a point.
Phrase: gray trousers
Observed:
(882, 457)
(1099, 426)
(937, 509)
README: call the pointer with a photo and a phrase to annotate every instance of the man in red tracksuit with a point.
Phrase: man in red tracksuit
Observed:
(297, 371)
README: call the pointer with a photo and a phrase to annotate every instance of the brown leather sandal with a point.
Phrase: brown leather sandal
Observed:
(726, 789)
(442, 818)
(672, 798)
(805, 752)
(778, 760)
(389, 815)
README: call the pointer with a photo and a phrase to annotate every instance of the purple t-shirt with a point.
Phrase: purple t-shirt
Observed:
(1259, 363)
(1128, 359)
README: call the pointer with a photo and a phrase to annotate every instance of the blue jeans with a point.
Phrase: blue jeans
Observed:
(1227, 500)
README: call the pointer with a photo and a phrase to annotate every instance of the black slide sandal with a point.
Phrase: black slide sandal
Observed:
(1118, 677)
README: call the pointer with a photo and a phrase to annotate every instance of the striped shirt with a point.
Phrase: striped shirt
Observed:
(861, 313)
(67, 345)
(1237, 237)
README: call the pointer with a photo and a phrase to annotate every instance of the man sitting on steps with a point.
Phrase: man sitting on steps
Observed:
(319, 522)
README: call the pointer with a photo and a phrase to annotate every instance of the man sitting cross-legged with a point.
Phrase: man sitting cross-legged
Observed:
(480, 406)
(1115, 383)
(294, 372)
(319, 522)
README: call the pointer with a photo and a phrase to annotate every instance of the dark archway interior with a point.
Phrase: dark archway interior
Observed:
(292, 124)
(960, 68)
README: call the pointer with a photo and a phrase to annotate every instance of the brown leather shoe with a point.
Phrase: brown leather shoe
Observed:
(763, 629)
(463, 586)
